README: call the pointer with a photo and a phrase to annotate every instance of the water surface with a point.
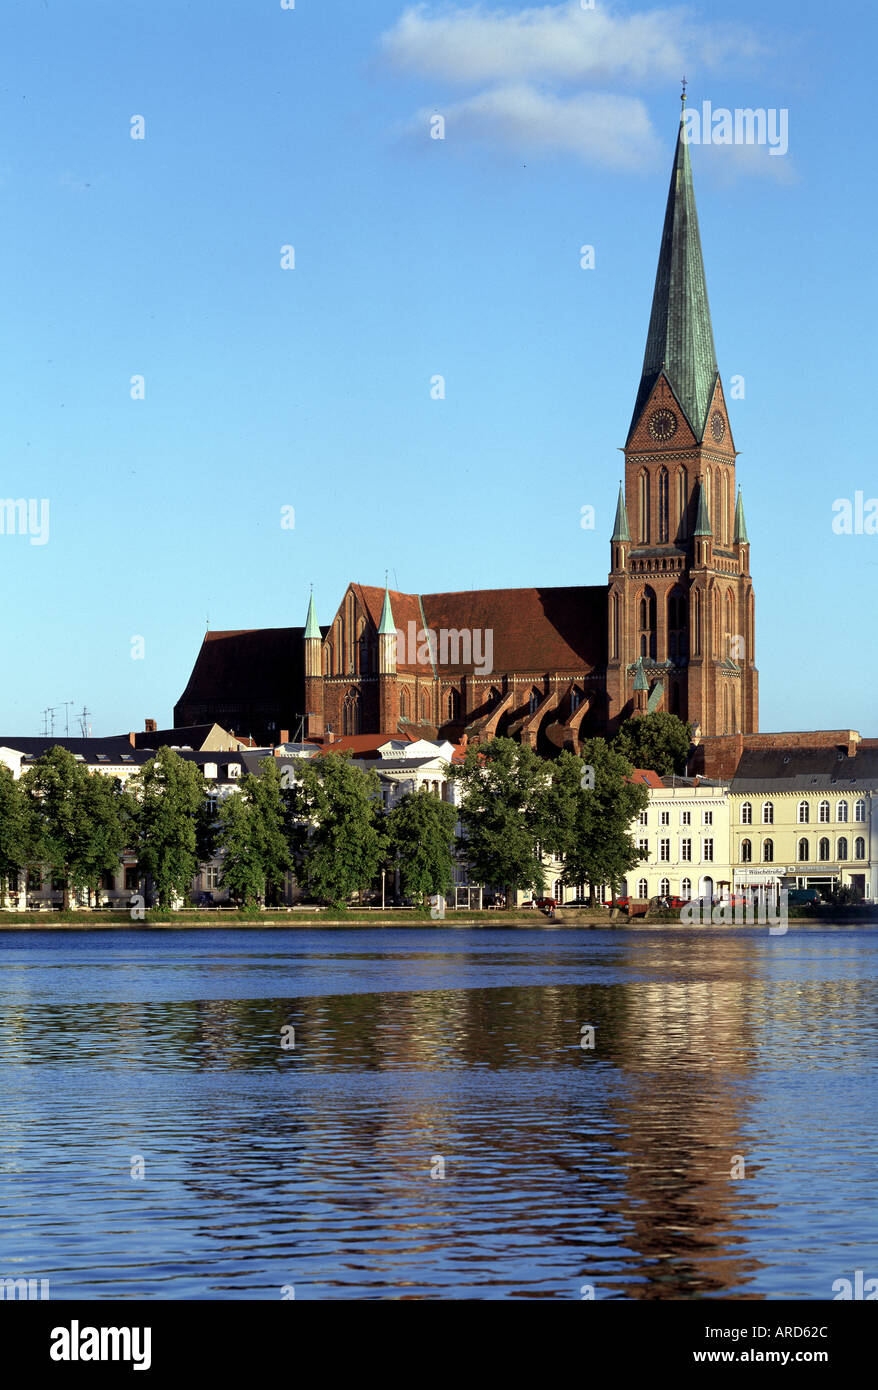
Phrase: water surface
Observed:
(318, 1167)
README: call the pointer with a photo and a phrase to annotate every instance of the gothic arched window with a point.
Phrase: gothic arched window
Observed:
(351, 713)
(647, 629)
(680, 501)
(643, 498)
(663, 505)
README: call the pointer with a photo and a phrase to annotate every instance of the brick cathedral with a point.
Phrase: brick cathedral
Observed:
(672, 629)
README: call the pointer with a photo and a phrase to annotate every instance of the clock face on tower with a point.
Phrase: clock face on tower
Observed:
(717, 426)
(663, 424)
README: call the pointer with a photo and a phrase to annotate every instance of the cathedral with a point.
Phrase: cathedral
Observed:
(673, 628)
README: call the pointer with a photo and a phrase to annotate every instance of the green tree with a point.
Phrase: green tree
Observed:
(242, 872)
(503, 813)
(421, 833)
(592, 804)
(170, 794)
(340, 837)
(80, 820)
(658, 742)
(17, 830)
(252, 837)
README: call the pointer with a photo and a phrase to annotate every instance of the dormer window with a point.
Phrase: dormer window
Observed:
(210, 771)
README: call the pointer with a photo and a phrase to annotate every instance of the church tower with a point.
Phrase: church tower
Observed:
(681, 607)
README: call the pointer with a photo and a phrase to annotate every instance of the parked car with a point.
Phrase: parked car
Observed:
(546, 904)
(803, 896)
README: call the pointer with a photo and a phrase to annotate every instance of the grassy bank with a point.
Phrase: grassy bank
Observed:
(298, 918)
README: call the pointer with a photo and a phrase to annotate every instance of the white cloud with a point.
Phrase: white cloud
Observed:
(600, 129)
(473, 44)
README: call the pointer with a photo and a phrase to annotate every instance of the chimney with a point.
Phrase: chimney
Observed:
(132, 739)
(150, 727)
(284, 736)
(330, 736)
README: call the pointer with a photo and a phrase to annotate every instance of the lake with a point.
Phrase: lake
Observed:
(410, 1113)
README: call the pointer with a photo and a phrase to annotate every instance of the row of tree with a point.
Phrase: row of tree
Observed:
(330, 827)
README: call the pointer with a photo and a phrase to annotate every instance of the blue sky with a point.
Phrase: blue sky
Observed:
(310, 388)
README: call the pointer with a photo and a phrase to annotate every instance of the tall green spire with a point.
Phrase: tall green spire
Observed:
(388, 626)
(620, 529)
(680, 338)
(702, 521)
(640, 681)
(312, 627)
(741, 537)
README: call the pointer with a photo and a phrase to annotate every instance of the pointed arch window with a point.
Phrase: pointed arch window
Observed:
(663, 503)
(768, 813)
(804, 813)
(351, 713)
(680, 502)
(647, 624)
(843, 847)
(842, 811)
(678, 645)
(697, 625)
(768, 851)
(614, 627)
(746, 851)
(804, 850)
(403, 705)
(823, 850)
(643, 507)
(859, 848)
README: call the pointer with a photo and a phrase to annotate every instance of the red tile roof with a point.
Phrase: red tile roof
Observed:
(647, 778)
(533, 629)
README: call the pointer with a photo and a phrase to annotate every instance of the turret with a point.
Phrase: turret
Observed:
(620, 542)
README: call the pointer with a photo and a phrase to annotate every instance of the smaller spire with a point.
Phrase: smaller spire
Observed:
(620, 530)
(312, 627)
(388, 626)
(640, 682)
(702, 521)
(741, 537)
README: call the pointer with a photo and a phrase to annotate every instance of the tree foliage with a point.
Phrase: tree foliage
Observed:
(659, 742)
(340, 838)
(503, 813)
(170, 795)
(17, 830)
(252, 837)
(81, 820)
(421, 829)
(590, 828)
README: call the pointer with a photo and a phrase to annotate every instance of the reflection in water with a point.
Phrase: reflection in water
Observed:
(715, 1142)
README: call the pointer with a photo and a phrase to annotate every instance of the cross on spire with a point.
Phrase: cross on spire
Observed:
(685, 85)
